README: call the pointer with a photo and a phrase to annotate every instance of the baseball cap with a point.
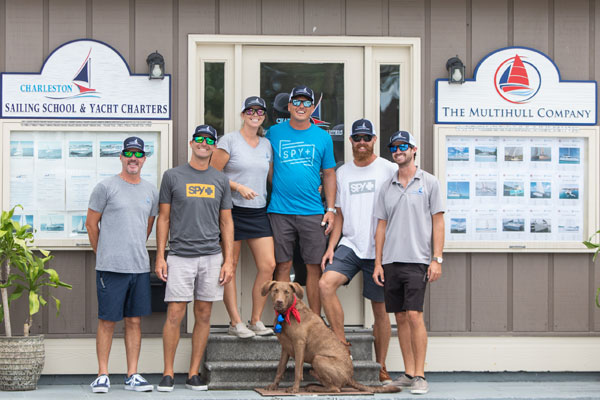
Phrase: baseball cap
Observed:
(403, 136)
(302, 91)
(133, 142)
(363, 127)
(205, 130)
(254, 101)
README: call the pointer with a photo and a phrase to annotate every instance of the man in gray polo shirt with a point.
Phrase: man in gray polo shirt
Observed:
(410, 230)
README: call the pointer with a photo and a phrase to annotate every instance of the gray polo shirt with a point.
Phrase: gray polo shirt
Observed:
(408, 212)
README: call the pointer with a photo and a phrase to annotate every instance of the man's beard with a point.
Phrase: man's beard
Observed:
(362, 155)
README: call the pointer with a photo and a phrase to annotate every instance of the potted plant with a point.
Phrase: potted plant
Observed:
(591, 245)
(22, 271)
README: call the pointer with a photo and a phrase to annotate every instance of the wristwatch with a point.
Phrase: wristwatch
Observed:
(438, 259)
(333, 210)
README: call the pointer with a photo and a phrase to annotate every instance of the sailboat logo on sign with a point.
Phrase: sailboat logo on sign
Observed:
(517, 80)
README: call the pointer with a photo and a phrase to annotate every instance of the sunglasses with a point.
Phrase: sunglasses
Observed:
(129, 154)
(358, 138)
(200, 139)
(402, 147)
(258, 111)
(305, 103)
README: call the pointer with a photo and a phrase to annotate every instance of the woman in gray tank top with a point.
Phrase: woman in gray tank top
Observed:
(246, 157)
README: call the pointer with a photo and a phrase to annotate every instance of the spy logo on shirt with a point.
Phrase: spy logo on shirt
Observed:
(296, 152)
(200, 190)
(359, 187)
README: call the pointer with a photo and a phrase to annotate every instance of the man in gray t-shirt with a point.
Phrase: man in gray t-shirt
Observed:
(120, 216)
(195, 207)
(410, 229)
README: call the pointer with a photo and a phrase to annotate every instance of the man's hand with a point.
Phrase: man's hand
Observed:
(327, 258)
(226, 273)
(378, 275)
(434, 271)
(328, 219)
(161, 269)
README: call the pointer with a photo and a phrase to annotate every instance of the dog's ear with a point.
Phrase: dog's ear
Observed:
(297, 289)
(266, 287)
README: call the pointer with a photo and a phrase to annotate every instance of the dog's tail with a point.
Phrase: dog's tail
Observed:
(374, 389)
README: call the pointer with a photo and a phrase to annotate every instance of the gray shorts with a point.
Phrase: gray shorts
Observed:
(194, 278)
(347, 263)
(307, 228)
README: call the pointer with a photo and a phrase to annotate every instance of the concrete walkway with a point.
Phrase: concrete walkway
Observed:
(489, 386)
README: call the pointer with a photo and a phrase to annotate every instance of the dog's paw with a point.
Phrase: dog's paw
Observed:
(272, 386)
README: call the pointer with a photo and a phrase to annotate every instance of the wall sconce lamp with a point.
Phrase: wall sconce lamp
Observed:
(456, 70)
(156, 66)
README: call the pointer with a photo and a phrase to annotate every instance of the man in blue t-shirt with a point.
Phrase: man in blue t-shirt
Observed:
(300, 151)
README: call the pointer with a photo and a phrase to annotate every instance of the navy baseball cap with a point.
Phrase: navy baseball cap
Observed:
(133, 142)
(363, 127)
(403, 136)
(205, 130)
(302, 91)
(254, 101)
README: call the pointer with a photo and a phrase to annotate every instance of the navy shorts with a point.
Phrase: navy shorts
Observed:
(347, 263)
(123, 295)
(404, 286)
(250, 223)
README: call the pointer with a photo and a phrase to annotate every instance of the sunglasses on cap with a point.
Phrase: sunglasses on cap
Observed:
(251, 111)
(402, 147)
(357, 138)
(200, 139)
(129, 154)
(305, 103)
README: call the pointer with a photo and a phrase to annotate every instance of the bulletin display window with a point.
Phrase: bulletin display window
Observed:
(51, 168)
(518, 188)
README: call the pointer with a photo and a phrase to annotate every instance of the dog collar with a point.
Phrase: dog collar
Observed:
(286, 316)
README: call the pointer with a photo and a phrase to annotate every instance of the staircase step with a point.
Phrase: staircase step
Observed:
(256, 374)
(224, 347)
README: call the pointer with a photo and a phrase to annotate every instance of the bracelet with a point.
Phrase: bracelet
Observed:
(333, 210)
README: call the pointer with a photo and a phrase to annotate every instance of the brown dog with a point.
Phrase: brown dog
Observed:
(311, 341)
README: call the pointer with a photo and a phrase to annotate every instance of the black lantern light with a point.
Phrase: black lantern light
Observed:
(456, 70)
(156, 66)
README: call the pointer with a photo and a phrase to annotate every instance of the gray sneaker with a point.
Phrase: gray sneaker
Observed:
(240, 330)
(402, 382)
(260, 329)
(419, 386)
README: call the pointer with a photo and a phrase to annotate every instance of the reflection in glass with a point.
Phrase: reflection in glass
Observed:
(389, 110)
(326, 80)
(214, 95)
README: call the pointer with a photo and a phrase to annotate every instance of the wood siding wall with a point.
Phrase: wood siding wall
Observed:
(479, 294)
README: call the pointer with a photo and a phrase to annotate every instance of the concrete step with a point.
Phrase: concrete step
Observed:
(223, 347)
(259, 374)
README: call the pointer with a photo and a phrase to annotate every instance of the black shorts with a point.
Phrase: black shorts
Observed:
(250, 223)
(404, 286)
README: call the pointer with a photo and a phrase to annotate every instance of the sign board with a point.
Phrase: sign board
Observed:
(85, 79)
(516, 85)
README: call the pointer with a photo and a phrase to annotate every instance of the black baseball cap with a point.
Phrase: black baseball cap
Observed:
(133, 142)
(205, 130)
(363, 127)
(403, 136)
(254, 101)
(302, 91)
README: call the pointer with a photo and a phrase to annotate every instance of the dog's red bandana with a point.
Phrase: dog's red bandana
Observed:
(292, 310)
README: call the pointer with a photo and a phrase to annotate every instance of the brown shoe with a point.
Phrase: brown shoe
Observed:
(384, 377)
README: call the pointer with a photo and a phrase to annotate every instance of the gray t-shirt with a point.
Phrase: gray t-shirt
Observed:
(196, 198)
(248, 166)
(408, 214)
(125, 209)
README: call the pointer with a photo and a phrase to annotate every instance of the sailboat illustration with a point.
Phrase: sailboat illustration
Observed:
(515, 79)
(83, 76)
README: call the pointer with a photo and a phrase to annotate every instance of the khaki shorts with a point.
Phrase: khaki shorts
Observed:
(194, 278)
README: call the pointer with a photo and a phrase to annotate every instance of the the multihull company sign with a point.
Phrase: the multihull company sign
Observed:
(516, 85)
(84, 79)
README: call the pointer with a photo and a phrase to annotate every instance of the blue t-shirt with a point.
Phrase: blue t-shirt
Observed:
(298, 156)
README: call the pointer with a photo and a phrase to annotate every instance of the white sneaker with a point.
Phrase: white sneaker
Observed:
(260, 329)
(101, 384)
(240, 330)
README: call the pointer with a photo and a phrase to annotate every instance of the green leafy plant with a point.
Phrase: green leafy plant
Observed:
(30, 274)
(596, 246)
